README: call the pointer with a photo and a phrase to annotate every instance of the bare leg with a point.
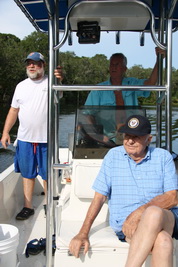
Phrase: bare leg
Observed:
(162, 253)
(154, 220)
(28, 187)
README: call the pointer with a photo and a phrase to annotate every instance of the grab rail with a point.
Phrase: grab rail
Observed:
(108, 87)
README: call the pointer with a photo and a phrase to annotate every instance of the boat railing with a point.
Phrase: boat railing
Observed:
(108, 87)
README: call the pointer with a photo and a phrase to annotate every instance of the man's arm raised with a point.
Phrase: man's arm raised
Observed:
(154, 75)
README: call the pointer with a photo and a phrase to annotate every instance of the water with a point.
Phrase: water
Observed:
(67, 123)
(6, 157)
(151, 113)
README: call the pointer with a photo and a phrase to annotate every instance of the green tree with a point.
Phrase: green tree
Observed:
(80, 71)
(77, 70)
(175, 86)
(36, 42)
(139, 72)
(99, 68)
(11, 65)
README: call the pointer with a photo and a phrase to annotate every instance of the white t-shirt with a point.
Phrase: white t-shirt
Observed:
(31, 98)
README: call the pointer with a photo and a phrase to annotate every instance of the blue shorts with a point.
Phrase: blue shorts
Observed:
(175, 232)
(122, 237)
(31, 159)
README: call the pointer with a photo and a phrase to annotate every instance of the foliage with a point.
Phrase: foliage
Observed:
(77, 70)
(82, 71)
(11, 61)
(36, 42)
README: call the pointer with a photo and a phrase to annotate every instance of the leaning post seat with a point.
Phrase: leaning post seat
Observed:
(71, 211)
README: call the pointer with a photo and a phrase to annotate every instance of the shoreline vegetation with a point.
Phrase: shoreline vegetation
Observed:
(77, 70)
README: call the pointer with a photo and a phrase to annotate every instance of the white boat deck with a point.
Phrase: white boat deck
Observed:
(33, 228)
(11, 203)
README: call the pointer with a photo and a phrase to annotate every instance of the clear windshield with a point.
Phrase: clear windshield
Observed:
(96, 129)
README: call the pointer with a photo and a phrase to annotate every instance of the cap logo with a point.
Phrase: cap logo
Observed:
(133, 123)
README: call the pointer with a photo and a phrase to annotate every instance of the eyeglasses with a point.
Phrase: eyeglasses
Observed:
(32, 62)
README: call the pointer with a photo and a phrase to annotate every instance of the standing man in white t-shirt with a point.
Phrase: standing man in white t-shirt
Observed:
(29, 104)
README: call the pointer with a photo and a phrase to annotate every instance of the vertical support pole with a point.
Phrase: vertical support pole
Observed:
(56, 111)
(49, 220)
(160, 75)
(169, 78)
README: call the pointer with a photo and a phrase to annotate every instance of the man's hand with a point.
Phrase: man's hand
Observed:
(131, 222)
(80, 240)
(160, 51)
(154, 75)
(5, 140)
(59, 73)
(10, 121)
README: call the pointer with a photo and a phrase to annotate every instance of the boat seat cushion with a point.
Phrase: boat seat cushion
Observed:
(101, 235)
(85, 176)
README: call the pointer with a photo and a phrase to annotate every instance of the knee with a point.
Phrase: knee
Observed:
(153, 217)
(164, 242)
(153, 213)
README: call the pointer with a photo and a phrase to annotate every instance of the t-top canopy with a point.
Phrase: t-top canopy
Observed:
(111, 15)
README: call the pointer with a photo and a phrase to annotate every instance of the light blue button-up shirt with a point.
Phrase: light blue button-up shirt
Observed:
(107, 98)
(129, 185)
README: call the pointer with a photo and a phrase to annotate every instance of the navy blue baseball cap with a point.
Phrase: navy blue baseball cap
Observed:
(36, 56)
(137, 125)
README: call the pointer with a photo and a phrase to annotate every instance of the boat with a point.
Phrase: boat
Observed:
(72, 170)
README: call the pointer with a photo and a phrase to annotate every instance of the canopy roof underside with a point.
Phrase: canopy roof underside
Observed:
(114, 15)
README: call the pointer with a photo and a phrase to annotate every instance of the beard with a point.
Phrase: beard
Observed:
(38, 74)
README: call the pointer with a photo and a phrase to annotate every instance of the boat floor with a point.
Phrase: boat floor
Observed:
(33, 228)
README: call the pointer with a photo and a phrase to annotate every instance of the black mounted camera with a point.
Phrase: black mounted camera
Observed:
(88, 32)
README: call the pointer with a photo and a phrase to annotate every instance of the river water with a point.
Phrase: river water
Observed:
(66, 125)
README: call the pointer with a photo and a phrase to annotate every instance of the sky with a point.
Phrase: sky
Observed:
(13, 21)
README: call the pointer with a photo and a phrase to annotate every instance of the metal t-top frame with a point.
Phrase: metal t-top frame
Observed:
(54, 45)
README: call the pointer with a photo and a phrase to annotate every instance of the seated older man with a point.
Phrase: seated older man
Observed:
(141, 185)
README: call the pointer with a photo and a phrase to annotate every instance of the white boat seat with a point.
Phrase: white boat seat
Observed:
(81, 192)
(71, 210)
(101, 235)
(83, 184)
